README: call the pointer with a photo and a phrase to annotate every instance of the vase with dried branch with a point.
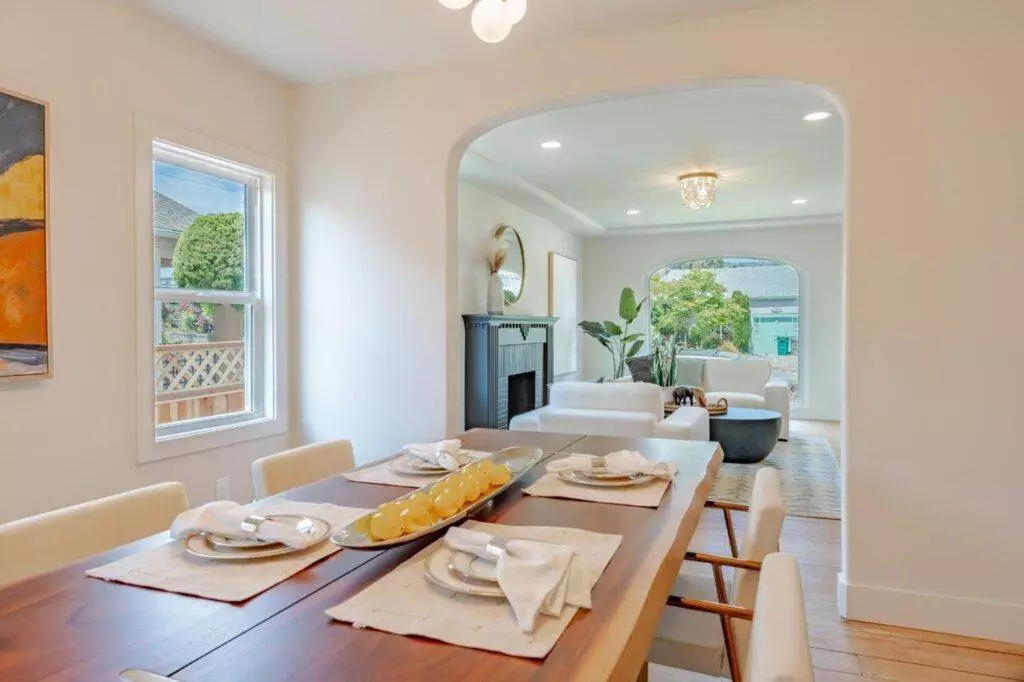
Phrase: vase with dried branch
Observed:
(497, 252)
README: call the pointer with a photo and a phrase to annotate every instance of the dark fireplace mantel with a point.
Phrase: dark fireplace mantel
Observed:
(509, 360)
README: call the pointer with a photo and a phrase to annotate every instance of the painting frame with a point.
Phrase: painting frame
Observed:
(564, 277)
(47, 260)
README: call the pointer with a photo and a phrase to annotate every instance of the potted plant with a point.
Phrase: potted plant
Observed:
(663, 366)
(616, 337)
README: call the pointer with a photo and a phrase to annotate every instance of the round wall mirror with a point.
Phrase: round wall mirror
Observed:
(513, 271)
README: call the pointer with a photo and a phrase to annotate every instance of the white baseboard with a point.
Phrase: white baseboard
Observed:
(925, 611)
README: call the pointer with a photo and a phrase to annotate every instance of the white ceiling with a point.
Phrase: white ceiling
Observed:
(628, 154)
(324, 40)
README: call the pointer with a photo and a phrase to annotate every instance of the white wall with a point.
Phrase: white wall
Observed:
(480, 212)
(928, 89)
(98, 63)
(816, 251)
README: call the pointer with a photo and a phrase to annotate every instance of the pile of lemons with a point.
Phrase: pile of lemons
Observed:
(444, 499)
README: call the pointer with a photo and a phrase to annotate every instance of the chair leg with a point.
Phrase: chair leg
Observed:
(641, 676)
(731, 531)
(730, 649)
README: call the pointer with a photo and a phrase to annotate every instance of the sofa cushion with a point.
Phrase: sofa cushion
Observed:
(737, 375)
(641, 368)
(737, 399)
(631, 396)
(689, 370)
(526, 421)
(596, 422)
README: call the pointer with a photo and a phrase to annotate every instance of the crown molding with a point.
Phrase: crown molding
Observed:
(827, 219)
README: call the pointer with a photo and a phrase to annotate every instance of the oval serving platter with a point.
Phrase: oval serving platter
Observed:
(519, 460)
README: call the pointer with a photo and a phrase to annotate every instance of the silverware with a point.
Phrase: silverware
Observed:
(496, 547)
(251, 524)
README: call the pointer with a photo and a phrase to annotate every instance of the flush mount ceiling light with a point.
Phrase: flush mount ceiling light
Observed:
(551, 144)
(799, 202)
(699, 189)
(633, 211)
(492, 20)
(817, 116)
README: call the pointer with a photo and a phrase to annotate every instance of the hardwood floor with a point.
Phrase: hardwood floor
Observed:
(852, 651)
(827, 429)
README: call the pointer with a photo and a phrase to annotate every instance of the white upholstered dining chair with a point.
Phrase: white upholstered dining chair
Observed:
(299, 466)
(700, 641)
(45, 542)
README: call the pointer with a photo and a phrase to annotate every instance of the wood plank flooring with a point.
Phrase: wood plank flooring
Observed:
(851, 651)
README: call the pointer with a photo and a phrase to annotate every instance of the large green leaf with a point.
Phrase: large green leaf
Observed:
(628, 309)
(632, 337)
(635, 348)
(595, 329)
(612, 329)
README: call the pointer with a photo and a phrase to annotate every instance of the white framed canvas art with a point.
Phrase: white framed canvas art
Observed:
(563, 303)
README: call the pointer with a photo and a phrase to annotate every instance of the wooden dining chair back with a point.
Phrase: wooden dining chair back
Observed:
(299, 466)
(45, 542)
(696, 641)
(779, 646)
(764, 528)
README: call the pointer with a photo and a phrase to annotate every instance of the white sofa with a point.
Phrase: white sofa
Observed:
(613, 409)
(746, 382)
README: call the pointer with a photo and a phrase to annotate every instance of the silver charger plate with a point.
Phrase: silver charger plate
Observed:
(437, 569)
(581, 478)
(201, 545)
(602, 473)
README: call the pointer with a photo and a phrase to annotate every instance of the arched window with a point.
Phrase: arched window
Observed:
(732, 307)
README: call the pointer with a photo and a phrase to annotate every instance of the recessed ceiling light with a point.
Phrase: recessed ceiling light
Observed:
(799, 202)
(633, 211)
(817, 116)
(551, 144)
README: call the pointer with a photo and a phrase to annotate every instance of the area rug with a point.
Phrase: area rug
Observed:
(809, 472)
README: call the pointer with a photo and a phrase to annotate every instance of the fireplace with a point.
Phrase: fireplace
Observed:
(522, 393)
(509, 363)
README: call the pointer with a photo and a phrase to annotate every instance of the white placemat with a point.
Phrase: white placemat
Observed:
(405, 602)
(170, 568)
(644, 495)
(383, 474)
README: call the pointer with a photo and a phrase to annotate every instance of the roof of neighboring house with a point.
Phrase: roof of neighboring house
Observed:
(170, 215)
(765, 281)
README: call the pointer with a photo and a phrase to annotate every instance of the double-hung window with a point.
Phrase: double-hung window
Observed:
(212, 374)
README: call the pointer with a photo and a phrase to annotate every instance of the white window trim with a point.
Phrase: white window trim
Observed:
(215, 431)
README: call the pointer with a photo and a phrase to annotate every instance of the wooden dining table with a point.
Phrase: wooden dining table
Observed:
(65, 626)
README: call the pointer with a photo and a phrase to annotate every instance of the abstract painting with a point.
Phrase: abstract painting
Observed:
(24, 317)
(563, 303)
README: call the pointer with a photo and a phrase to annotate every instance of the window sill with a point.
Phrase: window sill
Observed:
(179, 445)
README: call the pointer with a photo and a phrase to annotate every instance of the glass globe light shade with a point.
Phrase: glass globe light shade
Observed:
(455, 4)
(490, 21)
(516, 10)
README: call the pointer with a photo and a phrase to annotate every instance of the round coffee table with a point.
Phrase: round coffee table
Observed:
(745, 434)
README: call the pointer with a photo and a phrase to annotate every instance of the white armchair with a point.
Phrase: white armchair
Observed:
(613, 409)
(747, 382)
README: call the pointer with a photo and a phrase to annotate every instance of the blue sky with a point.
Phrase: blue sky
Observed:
(201, 192)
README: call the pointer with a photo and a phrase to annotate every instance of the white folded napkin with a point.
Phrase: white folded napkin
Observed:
(442, 453)
(225, 518)
(536, 577)
(620, 462)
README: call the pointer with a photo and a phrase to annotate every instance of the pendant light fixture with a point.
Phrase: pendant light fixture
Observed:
(492, 20)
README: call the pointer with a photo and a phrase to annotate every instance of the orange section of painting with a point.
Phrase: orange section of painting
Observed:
(23, 288)
(23, 190)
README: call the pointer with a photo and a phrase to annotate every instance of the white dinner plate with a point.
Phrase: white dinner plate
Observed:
(438, 570)
(414, 466)
(201, 546)
(474, 567)
(582, 478)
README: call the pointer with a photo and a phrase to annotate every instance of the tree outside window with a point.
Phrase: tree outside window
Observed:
(731, 307)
